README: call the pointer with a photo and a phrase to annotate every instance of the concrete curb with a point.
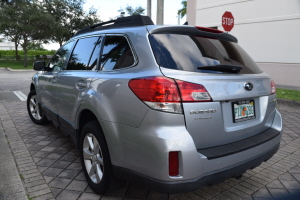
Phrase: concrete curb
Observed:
(289, 103)
(11, 186)
(18, 70)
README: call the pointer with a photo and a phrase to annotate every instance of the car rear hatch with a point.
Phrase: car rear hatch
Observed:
(241, 101)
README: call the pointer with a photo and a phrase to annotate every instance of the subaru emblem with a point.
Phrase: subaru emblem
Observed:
(248, 86)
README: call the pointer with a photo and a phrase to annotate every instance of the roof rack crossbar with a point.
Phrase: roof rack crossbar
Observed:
(101, 24)
(130, 21)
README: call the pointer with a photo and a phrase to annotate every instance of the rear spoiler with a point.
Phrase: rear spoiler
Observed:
(191, 30)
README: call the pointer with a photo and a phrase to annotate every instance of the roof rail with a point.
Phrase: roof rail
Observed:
(134, 20)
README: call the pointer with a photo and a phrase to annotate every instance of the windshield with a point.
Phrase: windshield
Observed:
(192, 53)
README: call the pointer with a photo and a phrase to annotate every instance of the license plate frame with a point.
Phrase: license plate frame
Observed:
(243, 110)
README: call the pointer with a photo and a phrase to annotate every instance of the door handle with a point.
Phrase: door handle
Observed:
(81, 85)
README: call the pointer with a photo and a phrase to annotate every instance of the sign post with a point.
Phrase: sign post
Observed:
(227, 21)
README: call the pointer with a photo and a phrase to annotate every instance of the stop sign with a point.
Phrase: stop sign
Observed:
(227, 21)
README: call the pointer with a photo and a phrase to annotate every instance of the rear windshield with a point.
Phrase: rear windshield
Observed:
(198, 54)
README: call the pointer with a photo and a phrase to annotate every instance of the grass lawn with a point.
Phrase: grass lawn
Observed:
(288, 94)
(14, 64)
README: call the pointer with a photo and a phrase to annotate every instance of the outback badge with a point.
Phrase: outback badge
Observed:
(203, 111)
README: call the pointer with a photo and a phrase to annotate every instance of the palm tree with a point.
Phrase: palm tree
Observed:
(182, 11)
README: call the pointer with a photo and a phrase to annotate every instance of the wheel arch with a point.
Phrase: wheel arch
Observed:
(84, 117)
(32, 87)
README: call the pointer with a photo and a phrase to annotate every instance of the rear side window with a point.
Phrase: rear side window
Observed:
(82, 52)
(116, 53)
(198, 54)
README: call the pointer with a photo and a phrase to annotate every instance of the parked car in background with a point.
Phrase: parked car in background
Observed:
(172, 108)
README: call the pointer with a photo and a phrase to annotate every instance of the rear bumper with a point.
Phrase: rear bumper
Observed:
(143, 154)
(193, 184)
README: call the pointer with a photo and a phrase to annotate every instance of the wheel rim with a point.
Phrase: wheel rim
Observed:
(34, 109)
(93, 158)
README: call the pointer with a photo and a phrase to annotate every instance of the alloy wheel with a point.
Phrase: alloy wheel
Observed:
(93, 158)
(34, 108)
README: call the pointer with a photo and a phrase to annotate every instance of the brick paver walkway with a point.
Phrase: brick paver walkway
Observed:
(49, 164)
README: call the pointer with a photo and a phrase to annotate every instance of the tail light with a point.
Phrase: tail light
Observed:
(165, 94)
(273, 87)
(173, 163)
(191, 92)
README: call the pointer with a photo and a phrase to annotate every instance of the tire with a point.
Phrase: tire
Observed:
(95, 160)
(33, 109)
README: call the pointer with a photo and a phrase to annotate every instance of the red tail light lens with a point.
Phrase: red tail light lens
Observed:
(191, 92)
(158, 93)
(273, 87)
(173, 163)
(161, 93)
(155, 89)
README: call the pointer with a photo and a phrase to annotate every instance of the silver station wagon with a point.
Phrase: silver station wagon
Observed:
(171, 108)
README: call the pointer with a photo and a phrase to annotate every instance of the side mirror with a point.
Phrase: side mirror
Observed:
(39, 65)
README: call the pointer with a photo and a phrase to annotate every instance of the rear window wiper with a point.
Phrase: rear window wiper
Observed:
(222, 68)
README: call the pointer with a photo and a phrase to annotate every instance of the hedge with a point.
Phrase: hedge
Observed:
(29, 52)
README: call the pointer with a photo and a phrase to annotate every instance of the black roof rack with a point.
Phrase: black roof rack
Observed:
(134, 20)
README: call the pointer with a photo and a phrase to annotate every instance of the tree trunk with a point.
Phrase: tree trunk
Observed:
(25, 57)
(60, 43)
(25, 44)
(16, 49)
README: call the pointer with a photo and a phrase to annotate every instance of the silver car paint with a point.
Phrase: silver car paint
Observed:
(70, 88)
(213, 129)
(145, 149)
(139, 138)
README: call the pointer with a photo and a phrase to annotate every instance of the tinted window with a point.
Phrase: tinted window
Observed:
(95, 56)
(59, 59)
(188, 53)
(82, 52)
(116, 53)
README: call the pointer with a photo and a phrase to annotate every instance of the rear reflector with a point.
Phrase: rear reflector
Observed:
(273, 87)
(173, 163)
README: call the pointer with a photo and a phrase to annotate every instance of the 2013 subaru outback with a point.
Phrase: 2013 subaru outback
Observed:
(172, 108)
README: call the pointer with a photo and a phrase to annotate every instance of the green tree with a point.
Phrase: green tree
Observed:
(182, 11)
(132, 11)
(69, 17)
(8, 26)
(25, 21)
(35, 45)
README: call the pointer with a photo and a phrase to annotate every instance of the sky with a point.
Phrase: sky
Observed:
(109, 8)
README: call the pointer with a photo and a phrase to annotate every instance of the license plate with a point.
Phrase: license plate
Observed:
(243, 110)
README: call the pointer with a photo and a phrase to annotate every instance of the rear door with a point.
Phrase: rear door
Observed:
(74, 80)
(240, 92)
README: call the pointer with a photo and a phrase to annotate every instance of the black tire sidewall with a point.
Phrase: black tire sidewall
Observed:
(43, 120)
(104, 186)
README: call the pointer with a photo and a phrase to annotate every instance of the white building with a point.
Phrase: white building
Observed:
(8, 46)
(269, 30)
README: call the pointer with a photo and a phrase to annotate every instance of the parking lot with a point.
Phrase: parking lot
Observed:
(49, 166)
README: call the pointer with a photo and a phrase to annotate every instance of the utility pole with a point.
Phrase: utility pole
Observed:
(160, 12)
(149, 8)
